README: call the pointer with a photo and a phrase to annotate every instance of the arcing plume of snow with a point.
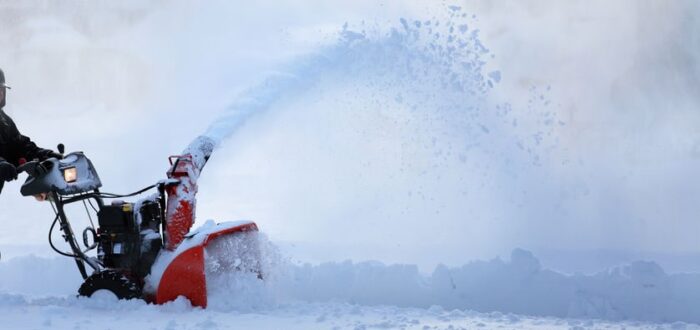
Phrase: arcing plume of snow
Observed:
(639, 291)
(368, 147)
(383, 129)
(443, 54)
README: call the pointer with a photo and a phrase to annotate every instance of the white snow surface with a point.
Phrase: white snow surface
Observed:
(518, 293)
(72, 313)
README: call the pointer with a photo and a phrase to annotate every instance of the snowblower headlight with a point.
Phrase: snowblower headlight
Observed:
(70, 174)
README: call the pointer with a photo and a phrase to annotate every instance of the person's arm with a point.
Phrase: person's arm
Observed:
(27, 149)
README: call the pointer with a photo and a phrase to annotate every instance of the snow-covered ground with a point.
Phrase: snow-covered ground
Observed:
(518, 293)
(72, 313)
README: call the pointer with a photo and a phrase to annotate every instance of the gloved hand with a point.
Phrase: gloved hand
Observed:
(48, 153)
(8, 172)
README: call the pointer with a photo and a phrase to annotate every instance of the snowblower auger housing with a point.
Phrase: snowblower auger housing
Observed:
(145, 249)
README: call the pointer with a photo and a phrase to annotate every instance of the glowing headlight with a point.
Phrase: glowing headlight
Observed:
(70, 174)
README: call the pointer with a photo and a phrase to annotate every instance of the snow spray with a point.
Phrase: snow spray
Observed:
(430, 78)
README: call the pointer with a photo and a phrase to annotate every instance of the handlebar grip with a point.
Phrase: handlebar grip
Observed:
(27, 166)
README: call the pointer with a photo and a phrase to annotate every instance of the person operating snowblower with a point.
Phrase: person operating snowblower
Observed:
(145, 249)
(13, 145)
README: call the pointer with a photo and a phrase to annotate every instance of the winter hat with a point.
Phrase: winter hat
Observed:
(2, 80)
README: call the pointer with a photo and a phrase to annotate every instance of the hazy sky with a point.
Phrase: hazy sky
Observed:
(322, 172)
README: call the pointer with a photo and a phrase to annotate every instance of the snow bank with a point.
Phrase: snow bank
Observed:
(33, 276)
(640, 291)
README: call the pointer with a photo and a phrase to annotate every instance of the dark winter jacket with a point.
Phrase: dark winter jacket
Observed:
(14, 145)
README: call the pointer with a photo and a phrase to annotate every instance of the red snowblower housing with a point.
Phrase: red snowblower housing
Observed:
(184, 274)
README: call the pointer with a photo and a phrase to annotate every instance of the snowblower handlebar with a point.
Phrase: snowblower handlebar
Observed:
(34, 168)
(27, 167)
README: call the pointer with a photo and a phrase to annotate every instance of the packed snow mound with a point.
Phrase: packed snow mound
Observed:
(35, 277)
(74, 313)
(640, 291)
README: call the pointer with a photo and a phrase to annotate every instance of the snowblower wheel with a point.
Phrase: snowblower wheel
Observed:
(111, 281)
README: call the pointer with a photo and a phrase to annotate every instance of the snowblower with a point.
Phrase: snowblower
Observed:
(144, 249)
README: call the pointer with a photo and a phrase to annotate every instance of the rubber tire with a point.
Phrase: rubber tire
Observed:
(113, 281)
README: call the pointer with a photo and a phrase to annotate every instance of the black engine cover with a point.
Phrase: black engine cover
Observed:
(129, 241)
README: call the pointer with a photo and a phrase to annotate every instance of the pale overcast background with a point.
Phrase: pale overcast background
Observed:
(132, 82)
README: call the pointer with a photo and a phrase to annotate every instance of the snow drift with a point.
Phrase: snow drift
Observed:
(639, 291)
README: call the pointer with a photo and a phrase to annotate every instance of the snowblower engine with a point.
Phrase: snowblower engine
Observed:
(129, 238)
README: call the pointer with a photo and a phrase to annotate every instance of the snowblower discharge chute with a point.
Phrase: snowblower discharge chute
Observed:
(144, 249)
